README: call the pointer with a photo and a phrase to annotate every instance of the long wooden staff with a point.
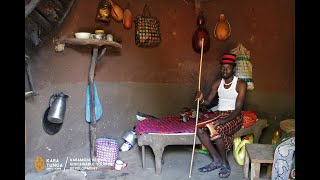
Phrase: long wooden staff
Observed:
(195, 128)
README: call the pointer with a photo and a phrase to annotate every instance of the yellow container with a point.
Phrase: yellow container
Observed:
(203, 147)
(276, 136)
(239, 148)
(99, 31)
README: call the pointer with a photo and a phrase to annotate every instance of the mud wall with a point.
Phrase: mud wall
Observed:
(265, 28)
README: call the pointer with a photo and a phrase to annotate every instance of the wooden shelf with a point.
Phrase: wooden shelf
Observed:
(93, 42)
(96, 57)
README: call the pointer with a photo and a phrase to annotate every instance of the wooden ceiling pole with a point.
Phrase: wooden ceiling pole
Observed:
(30, 6)
(197, 7)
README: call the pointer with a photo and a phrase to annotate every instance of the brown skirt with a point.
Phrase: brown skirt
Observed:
(227, 130)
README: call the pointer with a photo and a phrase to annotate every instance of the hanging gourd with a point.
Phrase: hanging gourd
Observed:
(222, 29)
(116, 11)
(199, 33)
(127, 18)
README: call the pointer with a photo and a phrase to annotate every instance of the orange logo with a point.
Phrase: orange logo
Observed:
(39, 164)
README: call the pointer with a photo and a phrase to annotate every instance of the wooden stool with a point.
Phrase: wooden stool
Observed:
(257, 154)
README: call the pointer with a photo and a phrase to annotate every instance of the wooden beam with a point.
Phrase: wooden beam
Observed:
(32, 31)
(66, 3)
(30, 7)
(50, 10)
(66, 10)
(41, 21)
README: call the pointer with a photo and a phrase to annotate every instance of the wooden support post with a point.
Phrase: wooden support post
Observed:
(92, 123)
(101, 54)
(143, 157)
(246, 165)
(95, 58)
(255, 171)
(29, 77)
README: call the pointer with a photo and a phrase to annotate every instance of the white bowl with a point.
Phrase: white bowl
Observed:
(82, 35)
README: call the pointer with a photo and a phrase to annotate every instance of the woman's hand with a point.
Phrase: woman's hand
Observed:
(199, 96)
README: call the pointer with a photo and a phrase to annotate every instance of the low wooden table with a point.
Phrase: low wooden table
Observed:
(159, 141)
(257, 154)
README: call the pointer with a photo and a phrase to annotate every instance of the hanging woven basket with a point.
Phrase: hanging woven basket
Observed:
(244, 67)
(222, 29)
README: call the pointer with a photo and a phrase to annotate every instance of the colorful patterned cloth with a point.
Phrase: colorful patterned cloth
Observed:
(171, 124)
(284, 162)
(174, 124)
(227, 130)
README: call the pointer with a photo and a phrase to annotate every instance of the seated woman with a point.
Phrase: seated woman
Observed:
(284, 159)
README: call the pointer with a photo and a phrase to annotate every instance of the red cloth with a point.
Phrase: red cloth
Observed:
(249, 118)
(170, 124)
(174, 124)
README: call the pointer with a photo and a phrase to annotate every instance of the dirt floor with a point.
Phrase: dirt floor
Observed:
(72, 141)
(176, 166)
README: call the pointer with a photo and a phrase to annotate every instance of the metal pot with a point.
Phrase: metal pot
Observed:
(130, 137)
(57, 107)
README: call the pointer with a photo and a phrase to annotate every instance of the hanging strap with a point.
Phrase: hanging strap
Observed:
(146, 11)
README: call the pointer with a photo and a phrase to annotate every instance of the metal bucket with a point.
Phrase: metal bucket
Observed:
(130, 137)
